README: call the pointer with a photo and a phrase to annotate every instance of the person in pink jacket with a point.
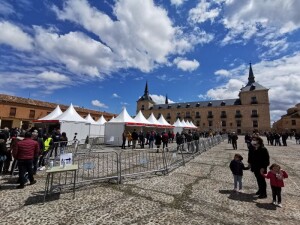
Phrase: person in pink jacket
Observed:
(276, 176)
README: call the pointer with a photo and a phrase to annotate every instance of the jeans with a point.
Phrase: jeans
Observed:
(238, 180)
(276, 192)
(151, 143)
(25, 165)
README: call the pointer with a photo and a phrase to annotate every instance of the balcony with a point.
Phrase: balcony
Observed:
(210, 116)
(223, 116)
(238, 116)
(198, 116)
(187, 117)
(254, 115)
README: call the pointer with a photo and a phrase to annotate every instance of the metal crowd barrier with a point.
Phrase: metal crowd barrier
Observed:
(122, 164)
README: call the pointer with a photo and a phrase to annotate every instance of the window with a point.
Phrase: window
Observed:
(238, 114)
(223, 103)
(253, 100)
(31, 114)
(293, 122)
(198, 123)
(210, 123)
(187, 115)
(198, 104)
(238, 123)
(178, 115)
(223, 123)
(223, 114)
(143, 107)
(210, 115)
(254, 113)
(209, 104)
(197, 115)
(168, 116)
(188, 105)
(12, 111)
(255, 123)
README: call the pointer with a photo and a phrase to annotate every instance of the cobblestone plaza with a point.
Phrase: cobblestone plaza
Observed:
(198, 193)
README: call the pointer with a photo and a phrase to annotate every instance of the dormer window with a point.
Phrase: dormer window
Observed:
(169, 106)
(188, 105)
(252, 87)
(143, 107)
(159, 107)
(198, 104)
(178, 106)
(223, 103)
(209, 104)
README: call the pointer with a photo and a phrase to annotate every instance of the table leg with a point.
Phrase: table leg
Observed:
(74, 185)
(46, 187)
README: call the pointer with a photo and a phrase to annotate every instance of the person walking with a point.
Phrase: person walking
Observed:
(135, 138)
(124, 136)
(237, 166)
(259, 160)
(25, 152)
(276, 176)
(234, 139)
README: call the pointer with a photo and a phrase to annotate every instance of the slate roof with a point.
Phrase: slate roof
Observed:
(253, 87)
(210, 103)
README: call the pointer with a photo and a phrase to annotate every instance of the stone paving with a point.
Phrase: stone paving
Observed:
(199, 193)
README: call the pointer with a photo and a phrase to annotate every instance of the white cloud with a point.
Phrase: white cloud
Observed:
(54, 77)
(186, 65)
(99, 104)
(162, 77)
(256, 18)
(13, 36)
(203, 12)
(160, 99)
(177, 2)
(223, 73)
(141, 36)
(115, 95)
(281, 76)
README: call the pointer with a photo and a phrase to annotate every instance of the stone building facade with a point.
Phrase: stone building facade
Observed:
(20, 112)
(289, 122)
(250, 111)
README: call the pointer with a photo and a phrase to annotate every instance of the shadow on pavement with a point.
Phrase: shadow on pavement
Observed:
(39, 198)
(267, 206)
(238, 196)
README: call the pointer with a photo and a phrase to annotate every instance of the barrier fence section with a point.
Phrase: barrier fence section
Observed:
(99, 165)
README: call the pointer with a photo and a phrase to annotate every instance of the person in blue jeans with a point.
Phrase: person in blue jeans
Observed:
(237, 167)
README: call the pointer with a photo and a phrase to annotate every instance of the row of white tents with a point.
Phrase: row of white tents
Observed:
(71, 122)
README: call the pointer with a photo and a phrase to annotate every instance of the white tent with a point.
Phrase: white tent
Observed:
(71, 122)
(115, 127)
(95, 128)
(140, 118)
(55, 113)
(163, 122)
(178, 126)
(184, 124)
(101, 123)
(154, 121)
(193, 125)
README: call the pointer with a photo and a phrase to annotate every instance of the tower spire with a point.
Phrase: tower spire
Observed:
(251, 78)
(167, 101)
(146, 92)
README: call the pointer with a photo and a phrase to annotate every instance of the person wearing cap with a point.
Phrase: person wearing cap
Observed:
(25, 151)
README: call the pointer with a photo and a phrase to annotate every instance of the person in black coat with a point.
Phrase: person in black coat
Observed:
(259, 160)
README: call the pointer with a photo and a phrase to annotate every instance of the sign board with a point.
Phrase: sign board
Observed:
(68, 158)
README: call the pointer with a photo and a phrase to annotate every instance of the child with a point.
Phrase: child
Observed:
(276, 176)
(237, 167)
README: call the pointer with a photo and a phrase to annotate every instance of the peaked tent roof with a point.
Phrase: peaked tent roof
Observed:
(178, 123)
(153, 120)
(89, 119)
(184, 123)
(163, 121)
(70, 115)
(140, 118)
(101, 120)
(55, 113)
(193, 124)
(124, 117)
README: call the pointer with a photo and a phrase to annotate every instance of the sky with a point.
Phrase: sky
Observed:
(98, 54)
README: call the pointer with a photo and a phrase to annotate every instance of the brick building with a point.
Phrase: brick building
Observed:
(250, 111)
(20, 112)
(290, 121)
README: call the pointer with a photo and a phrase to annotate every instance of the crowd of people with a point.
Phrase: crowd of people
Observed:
(27, 151)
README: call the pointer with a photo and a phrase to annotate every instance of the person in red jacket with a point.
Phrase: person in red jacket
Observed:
(276, 176)
(25, 151)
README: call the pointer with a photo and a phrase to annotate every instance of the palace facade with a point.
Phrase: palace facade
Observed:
(20, 112)
(249, 112)
(290, 122)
